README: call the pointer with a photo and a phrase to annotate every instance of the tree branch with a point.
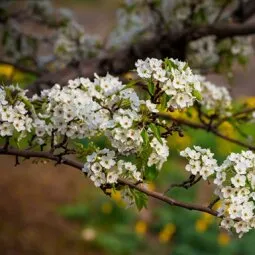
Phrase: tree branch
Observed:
(235, 115)
(222, 30)
(139, 187)
(160, 46)
(244, 11)
(205, 127)
(185, 184)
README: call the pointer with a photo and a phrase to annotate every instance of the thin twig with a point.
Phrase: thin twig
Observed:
(235, 115)
(217, 199)
(186, 184)
(205, 127)
(222, 9)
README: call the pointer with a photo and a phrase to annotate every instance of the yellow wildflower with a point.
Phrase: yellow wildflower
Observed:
(167, 233)
(250, 101)
(140, 227)
(201, 225)
(207, 217)
(223, 238)
(6, 70)
(116, 196)
(106, 208)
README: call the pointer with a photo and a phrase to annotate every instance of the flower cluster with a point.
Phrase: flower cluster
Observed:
(102, 167)
(137, 18)
(70, 41)
(173, 77)
(69, 111)
(74, 44)
(159, 154)
(132, 22)
(241, 46)
(203, 52)
(85, 108)
(103, 107)
(43, 9)
(197, 12)
(127, 141)
(201, 161)
(46, 12)
(14, 115)
(208, 52)
(16, 44)
(235, 184)
(215, 98)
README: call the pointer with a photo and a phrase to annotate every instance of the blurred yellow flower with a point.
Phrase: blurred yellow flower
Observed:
(106, 208)
(250, 101)
(6, 70)
(140, 227)
(167, 233)
(223, 238)
(116, 196)
(207, 217)
(201, 225)
(10, 72)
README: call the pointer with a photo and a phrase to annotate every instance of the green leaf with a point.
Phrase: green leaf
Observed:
(140, 199)
(82, 152)
(151, 87)
(143, 156)
(156, 131)
(185, 67)
(164, 100)
(169, 64)
(189, 113)
(131, 84)
(27, 103)
(20, 139)
(151, 173)
(145, 137)
(197, 94)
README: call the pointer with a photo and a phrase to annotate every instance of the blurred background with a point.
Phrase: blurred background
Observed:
(47, 209)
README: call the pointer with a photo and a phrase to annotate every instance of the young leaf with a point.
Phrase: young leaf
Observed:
(151, 87)
(197, 94)
(156, 131)
(151, 173)
(140, 200)
(145, 137)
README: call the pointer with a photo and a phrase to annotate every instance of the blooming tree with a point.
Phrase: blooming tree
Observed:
(133, 116)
